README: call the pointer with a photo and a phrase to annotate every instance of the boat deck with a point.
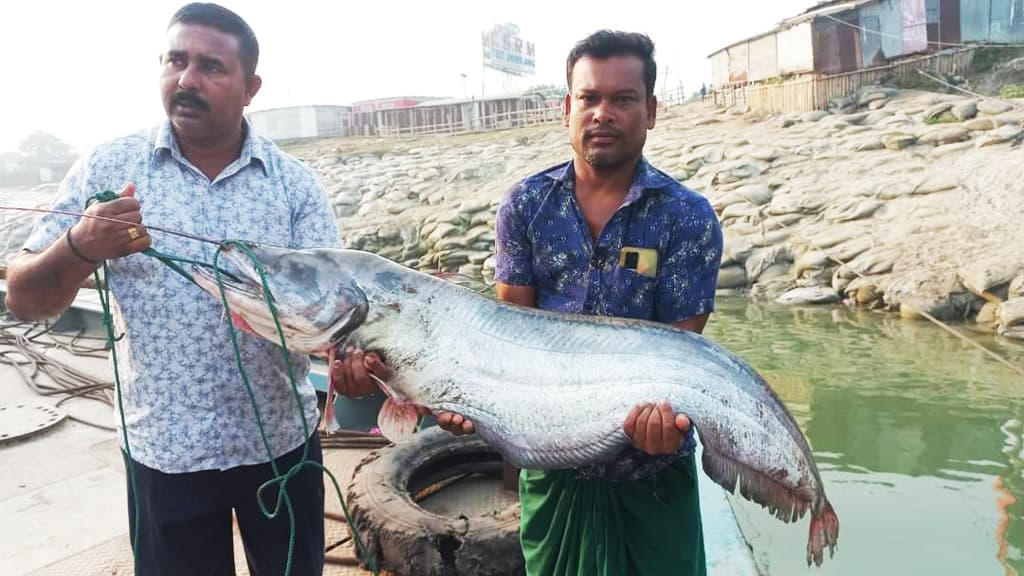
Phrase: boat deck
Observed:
(62, 494)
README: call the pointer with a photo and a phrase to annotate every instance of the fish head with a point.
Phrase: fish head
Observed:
(317, 301)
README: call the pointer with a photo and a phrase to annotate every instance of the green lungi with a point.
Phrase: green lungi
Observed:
(647, 527)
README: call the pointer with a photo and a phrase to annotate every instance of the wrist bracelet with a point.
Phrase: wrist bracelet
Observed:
(71, 245)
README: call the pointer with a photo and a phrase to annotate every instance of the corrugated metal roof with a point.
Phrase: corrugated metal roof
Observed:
(826, 8)
(295, 106)
(744, 41)
(392, 98)
(820, 9)
(452, 101)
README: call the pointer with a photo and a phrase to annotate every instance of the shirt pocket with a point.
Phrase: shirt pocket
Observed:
(631, 294)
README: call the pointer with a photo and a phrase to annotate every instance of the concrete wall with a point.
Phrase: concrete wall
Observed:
(297, 122)
(333, 121)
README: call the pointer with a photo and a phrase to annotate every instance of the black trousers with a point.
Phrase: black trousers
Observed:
(185, 519)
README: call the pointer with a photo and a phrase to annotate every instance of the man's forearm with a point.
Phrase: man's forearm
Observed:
(44, 285)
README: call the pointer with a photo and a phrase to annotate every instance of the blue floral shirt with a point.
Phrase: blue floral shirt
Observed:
(185, 406)
(656, 259)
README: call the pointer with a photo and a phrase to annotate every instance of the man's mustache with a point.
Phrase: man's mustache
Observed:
(185, 98)
(602, 131)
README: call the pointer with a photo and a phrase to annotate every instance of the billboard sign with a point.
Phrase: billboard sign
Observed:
(506, 51)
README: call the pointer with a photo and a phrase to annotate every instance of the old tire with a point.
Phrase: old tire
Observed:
(407, 539)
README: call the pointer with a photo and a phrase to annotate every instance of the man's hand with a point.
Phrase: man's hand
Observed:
(655, 429)
(96, 239)
(455, 423)
(351, 373)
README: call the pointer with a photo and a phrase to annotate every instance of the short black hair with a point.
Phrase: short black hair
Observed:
(219, 17)
(608, 43)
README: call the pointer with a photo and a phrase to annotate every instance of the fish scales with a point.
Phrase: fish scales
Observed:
(543, 389)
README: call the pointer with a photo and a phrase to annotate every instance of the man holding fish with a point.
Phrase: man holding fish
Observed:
(195, 449)
(605, 234)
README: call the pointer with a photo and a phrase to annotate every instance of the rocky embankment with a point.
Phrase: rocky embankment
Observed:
(910, 201)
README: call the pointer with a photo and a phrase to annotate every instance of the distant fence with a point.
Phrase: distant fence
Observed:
(498, 121)
(671, 97)
(815, 93)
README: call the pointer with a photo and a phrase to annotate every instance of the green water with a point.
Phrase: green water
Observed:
(918, 437)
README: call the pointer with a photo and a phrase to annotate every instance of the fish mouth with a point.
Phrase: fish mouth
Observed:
(317, 304)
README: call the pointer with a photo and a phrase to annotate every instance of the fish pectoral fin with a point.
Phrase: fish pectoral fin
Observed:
(397, 422)
(241, 324)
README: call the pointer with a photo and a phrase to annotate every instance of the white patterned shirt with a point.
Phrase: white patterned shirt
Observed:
(185, 405)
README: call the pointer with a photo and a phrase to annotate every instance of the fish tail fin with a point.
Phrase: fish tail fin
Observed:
(397, 421)
(782, 501)
(824, 531)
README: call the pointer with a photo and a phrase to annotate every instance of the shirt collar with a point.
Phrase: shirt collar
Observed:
(252, 147)
(645, 178)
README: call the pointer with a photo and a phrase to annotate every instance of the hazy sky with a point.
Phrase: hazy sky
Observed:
(87, 71)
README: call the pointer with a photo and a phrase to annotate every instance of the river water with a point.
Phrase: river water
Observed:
(918, 437)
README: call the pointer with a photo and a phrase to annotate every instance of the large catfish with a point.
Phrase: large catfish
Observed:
(546, 390)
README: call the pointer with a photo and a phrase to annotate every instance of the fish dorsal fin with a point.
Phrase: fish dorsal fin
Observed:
(445, 275)
(397, 422)
(464, 280)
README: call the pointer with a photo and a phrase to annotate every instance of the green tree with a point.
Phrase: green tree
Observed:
(43, 146)
(549, 91)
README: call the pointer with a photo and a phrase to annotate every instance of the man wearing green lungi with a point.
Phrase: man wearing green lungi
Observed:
(608, 234)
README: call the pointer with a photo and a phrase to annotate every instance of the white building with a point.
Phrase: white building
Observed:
(298, 122)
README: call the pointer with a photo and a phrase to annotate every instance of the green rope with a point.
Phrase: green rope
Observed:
(171, 263)
(103, 289)
(279, 479)
(168, 259)
(108, 323)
